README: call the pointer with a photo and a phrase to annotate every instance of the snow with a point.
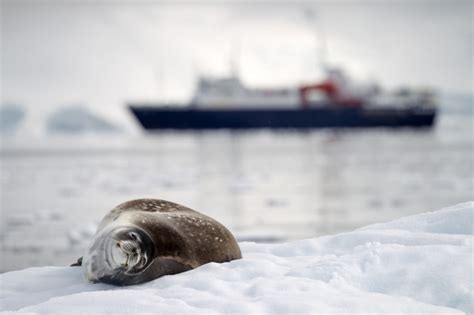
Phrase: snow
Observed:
(417, 264)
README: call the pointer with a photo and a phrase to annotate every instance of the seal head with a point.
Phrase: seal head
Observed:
(118, 255)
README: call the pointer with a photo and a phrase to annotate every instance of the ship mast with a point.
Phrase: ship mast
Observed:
(234, 56)
(320, 39)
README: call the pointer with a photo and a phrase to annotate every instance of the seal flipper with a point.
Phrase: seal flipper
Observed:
(78, 263)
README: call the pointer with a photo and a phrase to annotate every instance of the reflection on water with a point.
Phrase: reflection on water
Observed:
(265, 186)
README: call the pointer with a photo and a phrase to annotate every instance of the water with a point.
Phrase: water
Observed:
(265, 186)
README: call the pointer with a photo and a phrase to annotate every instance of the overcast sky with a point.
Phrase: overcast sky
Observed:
(103, 54)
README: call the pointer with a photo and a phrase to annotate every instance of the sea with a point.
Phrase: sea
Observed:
(265, 186)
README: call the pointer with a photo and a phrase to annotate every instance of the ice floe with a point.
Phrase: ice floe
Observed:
(419, 264)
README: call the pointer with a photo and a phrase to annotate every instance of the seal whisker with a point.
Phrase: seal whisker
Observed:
(132, 260)
(128, 246)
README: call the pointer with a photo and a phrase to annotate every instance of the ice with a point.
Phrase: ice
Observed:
(77, 119)
(10, 118)
(455, 220)
(419, 264)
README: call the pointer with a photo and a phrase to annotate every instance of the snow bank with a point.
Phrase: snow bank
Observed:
(418, 264)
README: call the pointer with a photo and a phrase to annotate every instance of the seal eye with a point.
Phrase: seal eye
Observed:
(133, 236)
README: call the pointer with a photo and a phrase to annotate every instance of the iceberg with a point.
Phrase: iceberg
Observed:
(418, 264)
(73, 120)
(10, 118)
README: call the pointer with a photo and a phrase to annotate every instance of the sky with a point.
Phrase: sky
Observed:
(103, 54)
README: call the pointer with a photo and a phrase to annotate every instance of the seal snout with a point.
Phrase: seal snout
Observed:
(130, 252)
(129, 247)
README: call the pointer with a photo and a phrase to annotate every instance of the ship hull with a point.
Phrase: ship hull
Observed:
(160, 117)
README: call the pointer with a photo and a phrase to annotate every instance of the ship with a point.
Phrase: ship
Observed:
(335, 102)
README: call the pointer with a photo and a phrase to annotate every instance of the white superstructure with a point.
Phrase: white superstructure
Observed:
(230, 92)
(336, 90)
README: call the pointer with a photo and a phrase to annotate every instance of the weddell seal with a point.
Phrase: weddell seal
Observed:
(141, 240)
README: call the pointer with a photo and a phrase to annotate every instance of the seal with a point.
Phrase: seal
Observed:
(144, 239)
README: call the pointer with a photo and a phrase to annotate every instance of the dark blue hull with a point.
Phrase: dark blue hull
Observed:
(188, 118)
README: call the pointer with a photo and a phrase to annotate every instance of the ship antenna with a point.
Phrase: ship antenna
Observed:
(234, 54)
(320, 38)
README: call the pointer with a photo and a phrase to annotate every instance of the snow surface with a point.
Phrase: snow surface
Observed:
(417, 264)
